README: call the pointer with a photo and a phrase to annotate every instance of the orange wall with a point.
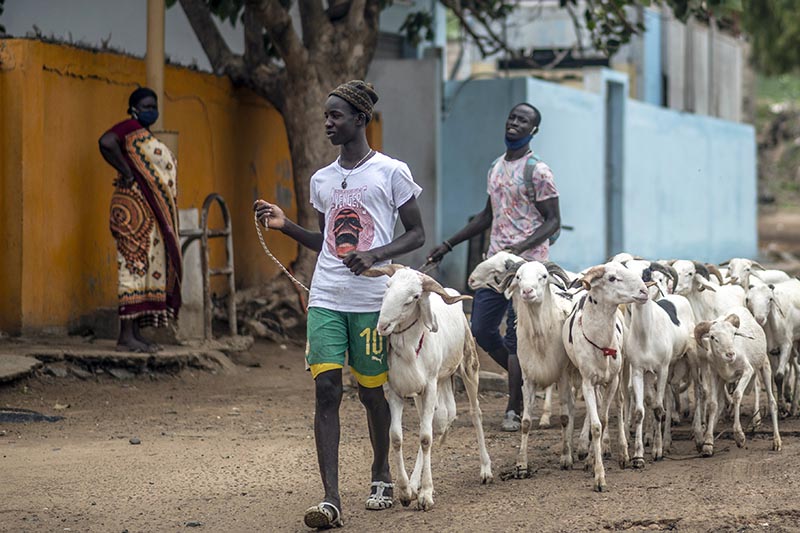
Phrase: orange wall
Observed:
(59, 259)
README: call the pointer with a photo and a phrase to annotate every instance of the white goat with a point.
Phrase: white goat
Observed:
(494, 273)
(429, 339)
(736, 349)
(659, 334)
(542, 358)
(709, 300)
(593, 338)
(776, 308)
(740, 271)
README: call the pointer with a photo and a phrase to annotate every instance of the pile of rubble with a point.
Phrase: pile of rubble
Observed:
(264, 316)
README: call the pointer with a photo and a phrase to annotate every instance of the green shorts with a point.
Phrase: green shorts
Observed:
(332, 334)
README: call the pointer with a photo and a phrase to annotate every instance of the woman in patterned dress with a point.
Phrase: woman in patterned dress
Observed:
(144, 223)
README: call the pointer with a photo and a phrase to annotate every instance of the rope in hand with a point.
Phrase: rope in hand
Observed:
(269, 254)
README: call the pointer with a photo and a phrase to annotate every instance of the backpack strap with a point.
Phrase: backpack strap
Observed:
(527, 176)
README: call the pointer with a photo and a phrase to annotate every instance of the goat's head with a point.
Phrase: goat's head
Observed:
(739, 270)
(718, 336)
(532, 279)
(407, 298)
(761, 301)
(493, 272)
(692, 275)
(614, 283)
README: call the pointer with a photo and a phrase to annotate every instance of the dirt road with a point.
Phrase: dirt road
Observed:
(235, 453)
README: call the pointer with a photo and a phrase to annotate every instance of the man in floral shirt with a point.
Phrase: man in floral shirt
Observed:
(522, 223)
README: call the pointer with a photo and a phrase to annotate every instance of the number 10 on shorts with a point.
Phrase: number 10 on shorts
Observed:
(373, 340)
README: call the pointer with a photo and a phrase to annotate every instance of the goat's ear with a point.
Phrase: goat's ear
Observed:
(733, 319)
(701, 331)
(427, 316)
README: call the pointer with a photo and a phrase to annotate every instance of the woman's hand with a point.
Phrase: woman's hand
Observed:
(269, 215)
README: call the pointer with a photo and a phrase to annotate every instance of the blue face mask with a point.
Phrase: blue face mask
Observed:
(146, 118)
(516, 145)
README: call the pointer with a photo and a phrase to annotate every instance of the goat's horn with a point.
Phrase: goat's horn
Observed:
(513, 266)
(733, 319)
(591, 275)
(431, 285)
(700, 330)
(715, 271)
(701, 269)
(555, 270)
(758, 266)
(383, 270)
(725, 263)
(667, 270)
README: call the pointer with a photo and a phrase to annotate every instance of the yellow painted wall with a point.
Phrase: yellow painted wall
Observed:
(58, 261)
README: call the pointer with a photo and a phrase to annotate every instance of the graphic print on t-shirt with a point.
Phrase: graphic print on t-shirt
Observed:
(349, 227)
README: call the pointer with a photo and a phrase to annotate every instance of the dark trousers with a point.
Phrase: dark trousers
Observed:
(488, 308)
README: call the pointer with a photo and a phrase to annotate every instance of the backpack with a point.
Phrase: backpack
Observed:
(527, 178)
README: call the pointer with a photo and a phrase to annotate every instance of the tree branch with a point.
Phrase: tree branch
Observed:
(254, 52)
(212, 41)
(355, 16)
(278, 22)
(313, 22)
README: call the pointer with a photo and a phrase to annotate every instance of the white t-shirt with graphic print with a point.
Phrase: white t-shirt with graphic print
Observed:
(359, 218)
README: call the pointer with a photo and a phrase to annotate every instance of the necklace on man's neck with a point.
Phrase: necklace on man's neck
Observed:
(344, 180)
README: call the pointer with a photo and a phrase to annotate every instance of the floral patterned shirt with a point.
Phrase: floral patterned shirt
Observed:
(515, 217)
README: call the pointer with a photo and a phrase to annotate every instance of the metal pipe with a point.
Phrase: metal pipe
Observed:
(154, 60)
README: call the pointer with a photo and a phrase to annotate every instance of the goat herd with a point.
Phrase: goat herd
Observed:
(641, 332)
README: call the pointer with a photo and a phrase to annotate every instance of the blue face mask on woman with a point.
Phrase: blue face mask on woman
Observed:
(146, 118)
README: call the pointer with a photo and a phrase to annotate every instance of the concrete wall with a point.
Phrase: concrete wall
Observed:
(55, 101)
(410, 111)
(690, 187)
(688, 182)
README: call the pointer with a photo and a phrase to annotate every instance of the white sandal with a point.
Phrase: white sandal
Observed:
(323, 516)
(379, 500)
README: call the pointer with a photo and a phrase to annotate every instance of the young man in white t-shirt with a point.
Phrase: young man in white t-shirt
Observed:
(358, 198)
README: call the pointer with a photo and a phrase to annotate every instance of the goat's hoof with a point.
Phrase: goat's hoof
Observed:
(637, 463)
(486, 475)
(707, 450)
(607, 453)
(739, 438)
(544, 422)
(582, 455)
(658, 457)
(600, 486)
(566, 462)
(521, 472)
(776, 444)
(425, 503)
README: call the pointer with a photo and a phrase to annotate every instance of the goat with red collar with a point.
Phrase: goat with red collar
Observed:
(429, 340)
(593, 339)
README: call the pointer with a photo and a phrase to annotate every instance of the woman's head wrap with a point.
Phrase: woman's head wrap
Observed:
(140, 94)
(359, 94)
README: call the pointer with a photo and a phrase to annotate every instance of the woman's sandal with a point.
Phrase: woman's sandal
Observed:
(378, 499)
(323, 516)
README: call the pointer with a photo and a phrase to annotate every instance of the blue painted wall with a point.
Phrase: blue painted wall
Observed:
(689, 182)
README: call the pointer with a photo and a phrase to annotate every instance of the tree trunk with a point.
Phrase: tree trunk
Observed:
(311, 150)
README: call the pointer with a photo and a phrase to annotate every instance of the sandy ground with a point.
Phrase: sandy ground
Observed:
(236, 453)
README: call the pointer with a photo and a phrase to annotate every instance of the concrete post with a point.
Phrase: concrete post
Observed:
(154, 60)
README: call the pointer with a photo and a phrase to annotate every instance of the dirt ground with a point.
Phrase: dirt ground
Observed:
(235, 453)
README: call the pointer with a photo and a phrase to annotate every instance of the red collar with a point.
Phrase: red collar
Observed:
(607, 352)
(419, 346)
